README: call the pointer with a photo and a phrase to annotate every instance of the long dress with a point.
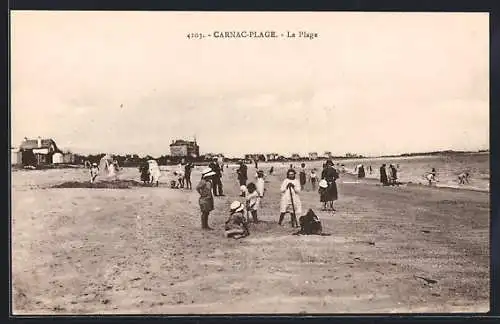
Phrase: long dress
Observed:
(330, 175)
(286, 200)
(383, 175)
(260, 186)
(206, 200)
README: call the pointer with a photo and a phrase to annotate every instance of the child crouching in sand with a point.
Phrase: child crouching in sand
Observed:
(236, 225)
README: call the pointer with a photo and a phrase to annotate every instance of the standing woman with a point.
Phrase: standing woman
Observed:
(187, 175)
(330, 175)
(302, 175)
(206, 200)
(383, 175)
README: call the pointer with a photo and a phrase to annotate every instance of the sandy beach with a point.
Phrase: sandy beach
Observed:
(141, 251)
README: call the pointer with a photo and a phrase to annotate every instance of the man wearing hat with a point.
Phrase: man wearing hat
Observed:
(290, 200)
(206, 200)
(236, 225)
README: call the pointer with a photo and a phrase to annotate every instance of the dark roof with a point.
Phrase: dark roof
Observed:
(33, 144)
(182, 142)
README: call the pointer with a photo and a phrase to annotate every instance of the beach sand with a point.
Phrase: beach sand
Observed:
(141, 250)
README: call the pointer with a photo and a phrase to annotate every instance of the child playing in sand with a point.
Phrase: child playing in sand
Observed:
(236, 225)
(206, 201)
(94, 171)
(252, 202)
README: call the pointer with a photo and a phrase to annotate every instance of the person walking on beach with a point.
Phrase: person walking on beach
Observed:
(187, 175)
(302, 175)
(313, 178)
(271, 171)
(330, 175)
(290, 200)
(383, 175)
(206, 200)
(370, 169)
(144, 170)
(242, 177)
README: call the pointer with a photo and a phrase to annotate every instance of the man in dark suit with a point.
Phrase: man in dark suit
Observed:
(217, 189)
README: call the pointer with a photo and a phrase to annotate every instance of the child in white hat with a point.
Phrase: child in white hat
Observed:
(236, 225)
(323, 192)
(206, 201)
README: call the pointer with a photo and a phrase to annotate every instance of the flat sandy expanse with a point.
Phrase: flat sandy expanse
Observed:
(141, 250)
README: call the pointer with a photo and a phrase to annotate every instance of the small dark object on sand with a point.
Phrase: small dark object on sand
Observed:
(427, 280)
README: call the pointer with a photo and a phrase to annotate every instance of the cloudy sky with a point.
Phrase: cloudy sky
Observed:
(371, 83)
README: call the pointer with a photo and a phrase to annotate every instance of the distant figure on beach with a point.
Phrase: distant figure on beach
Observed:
(394, 175)
(206, 200)
(330, 175)
(431, 177)
(256, 163)
(342, 168)
(313, 178)
(370, 169)
(154, 172)
(260, 183)
(236, 225)
(242, 177)
(271, 171)
(217, 189)
(252, 202)
(291, 166)
(463, 178)
(361, 171)
(290, 200)
(383, 175)
(187, 175)
(93, 171)
(144, 170)
(302, 175)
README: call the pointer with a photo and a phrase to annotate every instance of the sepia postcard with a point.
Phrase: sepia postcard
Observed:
(249, 162)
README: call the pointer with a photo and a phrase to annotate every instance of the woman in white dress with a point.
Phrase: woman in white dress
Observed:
(289, 191)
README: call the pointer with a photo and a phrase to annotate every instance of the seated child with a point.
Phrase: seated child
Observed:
(236, 225)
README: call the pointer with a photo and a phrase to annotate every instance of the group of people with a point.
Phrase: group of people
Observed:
(241, 213)
(389, 176)
(109, 168)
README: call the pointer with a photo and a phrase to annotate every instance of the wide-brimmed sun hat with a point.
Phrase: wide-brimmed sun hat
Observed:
(94, 164)
(243, 188)
(207, 173)
(323, 183)
(236, 207)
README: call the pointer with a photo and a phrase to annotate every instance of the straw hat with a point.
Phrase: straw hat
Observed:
(243, 188)
(323, 184)
(236, 207)
(207, 173)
